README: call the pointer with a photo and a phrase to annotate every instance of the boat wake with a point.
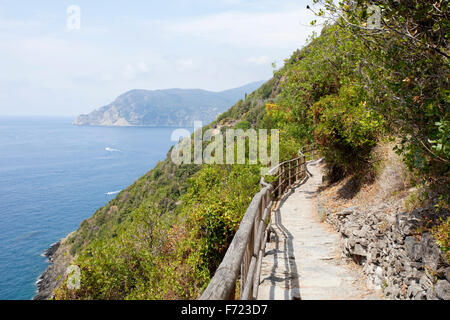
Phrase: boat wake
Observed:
(112, 193)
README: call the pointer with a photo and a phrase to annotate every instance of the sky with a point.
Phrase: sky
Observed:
(52, 65)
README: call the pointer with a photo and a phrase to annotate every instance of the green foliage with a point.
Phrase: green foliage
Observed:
(346, 127)
(141, 262)
(215, 204)
(322, 100)
(405, 69)
(252, 109)
(441, 233)
(164, 236)
(243, 125)
(157, 187)
(441, 146)
(112, 269)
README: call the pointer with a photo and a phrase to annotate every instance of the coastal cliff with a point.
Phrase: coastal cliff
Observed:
(59, 257)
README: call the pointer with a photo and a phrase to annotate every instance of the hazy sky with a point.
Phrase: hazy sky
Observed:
(48, 69)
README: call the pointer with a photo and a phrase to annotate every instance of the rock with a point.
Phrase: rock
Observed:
(368, 268)
(346, 231)
(431, 295)
(407, 223)
(399, 239)
(426, 283)
(346, 212)
(398, 266)
(372, 255)
(351, 242)
(441, 273)
(390, 219)
(393, 255)
(388, 291)
(372, 220)
(431, 252)
(377, 282)
(363, 233)
(392, 291)
(390, 272)
(442, 289)
(52, 277)
(351, 225)
(380, 215)
(417, 273)
(413, 290)
(413, 249)
(52, 250)
(420, 295)
(345, 243)
(379, 272)
(395, 292)
(381, 244)
(369, 283)
(363, 241)
(360, 250)
(401, 254)
(417, 265)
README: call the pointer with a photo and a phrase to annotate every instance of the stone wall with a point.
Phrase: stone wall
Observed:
(397, 259)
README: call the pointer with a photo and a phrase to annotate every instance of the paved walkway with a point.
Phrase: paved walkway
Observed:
(303, 260)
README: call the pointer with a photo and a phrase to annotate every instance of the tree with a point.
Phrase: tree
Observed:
(406, 68)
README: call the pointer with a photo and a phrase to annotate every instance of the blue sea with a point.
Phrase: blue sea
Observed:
(53, 176)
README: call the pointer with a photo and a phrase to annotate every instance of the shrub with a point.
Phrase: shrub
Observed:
(346, 127)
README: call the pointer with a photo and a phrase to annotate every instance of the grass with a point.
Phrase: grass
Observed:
(441, 233)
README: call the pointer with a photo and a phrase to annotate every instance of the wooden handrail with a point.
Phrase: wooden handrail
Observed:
(244, 255)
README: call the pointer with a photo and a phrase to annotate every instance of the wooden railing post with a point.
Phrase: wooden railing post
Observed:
(290, 175)
(304, 165)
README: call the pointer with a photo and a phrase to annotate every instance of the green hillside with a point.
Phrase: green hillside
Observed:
(348, 89)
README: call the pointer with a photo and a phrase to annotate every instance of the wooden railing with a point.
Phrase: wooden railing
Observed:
(244, 255)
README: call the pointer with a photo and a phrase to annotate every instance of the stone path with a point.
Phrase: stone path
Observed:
(303, 259)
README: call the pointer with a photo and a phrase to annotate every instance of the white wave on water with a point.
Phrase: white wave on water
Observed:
(112, 149)
(112, 193)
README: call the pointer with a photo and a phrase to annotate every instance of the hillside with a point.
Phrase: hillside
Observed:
(171, 107)
(349, 89)
(157, 201)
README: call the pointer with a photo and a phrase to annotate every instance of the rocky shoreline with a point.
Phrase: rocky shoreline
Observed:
(59, 257)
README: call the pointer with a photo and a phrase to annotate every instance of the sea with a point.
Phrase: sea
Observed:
(53, 175)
